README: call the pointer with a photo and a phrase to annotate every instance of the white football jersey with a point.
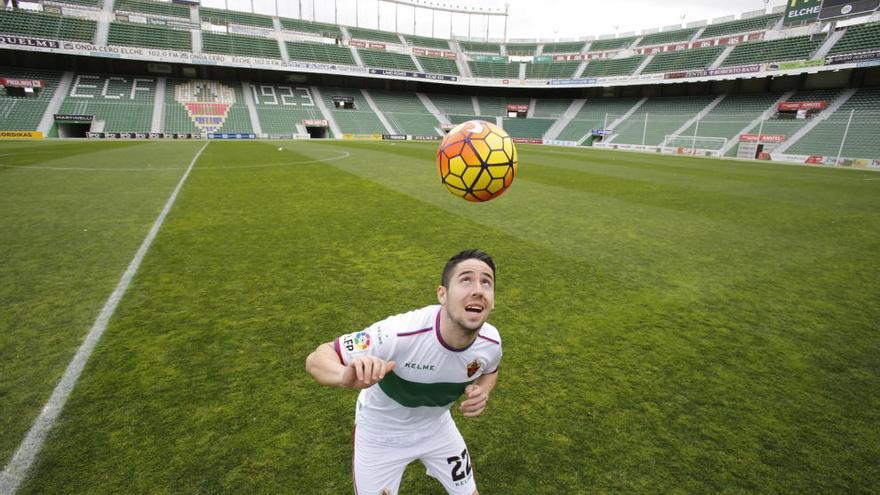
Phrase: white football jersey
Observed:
(429, 374)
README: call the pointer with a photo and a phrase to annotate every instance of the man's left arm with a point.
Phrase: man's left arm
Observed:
(477, 394)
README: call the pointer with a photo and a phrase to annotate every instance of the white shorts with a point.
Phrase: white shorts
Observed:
(379, 460)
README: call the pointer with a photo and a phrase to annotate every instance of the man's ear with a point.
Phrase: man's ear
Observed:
(441, 295)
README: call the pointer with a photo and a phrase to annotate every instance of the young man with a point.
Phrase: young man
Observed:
(410, 369)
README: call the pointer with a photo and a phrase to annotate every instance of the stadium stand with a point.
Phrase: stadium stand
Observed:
(25, 113)
(553, 70)
(522, 48)
(225, 17)
(436, 65)
(124, 103)
(480, 47)
(564, 47)
(280, 108)
(527, 128)
(611, 44)
(426, 42)
(595, 114)
(43, 25)
(731, 115)
(155, 8)
(128, 34)
(496, 70)
(459, 119)
(664, 114)
(860, 38)
(495, 105)
(453, 104)
(85, 3)
(861, 138)
(319, 52)
(754, 24)
(696, 58)
(405, 112)
(553, 108)
(613, 67)
(239, 44)
(361, 120)
(788, 126)
(221, 103)
(797, 48)
(319, 28)
(386, 60)
(373, 35)
(667, 37)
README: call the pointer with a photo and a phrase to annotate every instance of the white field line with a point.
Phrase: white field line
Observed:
(24, 457)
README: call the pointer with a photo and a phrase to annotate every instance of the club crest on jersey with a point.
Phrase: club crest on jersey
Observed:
(473, 367)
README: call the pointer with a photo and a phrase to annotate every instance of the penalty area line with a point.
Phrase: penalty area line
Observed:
(27, 451)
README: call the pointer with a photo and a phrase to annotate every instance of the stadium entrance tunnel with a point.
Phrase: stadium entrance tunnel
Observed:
(73, 130)
(317, 132)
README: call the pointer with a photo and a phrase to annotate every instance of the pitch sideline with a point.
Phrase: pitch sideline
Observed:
(14, 472)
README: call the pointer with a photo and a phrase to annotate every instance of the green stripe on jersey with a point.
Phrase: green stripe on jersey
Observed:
(414, 394)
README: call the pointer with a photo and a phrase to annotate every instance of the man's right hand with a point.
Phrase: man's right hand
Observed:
(365, 371)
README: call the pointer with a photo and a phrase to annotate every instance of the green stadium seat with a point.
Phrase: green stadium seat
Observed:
(320, 52)
(613, 67)
(564, 47)
(692, 59)
(754, 24)
(24, 113)
(124, 103)
(595, 114)
(361, 120)
(452, 104)
(480, 47)
(224, 17)
(406, 113)
(239, 44)
(665, 115)
(859, 38)
(156, 8)
(281, 107)
(302, 26)
(437, 65)
(527, 128)
(521, 49)
(373, 35)
(861, 138)
(43, 25)
(425, 42)
(496, 70)
(179, 119)
(611, 44)
(128, 34)
(553, 70)
(797, 48)
(667, 37)
(387, 60)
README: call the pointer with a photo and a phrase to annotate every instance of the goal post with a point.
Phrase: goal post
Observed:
(684, 144)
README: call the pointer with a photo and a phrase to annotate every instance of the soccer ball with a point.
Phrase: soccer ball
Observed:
(477, 161)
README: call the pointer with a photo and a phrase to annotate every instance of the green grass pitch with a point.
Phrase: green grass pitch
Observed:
(670, 325)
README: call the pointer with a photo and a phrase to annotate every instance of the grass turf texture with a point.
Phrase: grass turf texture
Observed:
(670, 324)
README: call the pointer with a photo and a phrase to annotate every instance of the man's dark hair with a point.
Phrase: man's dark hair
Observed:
(467, 254)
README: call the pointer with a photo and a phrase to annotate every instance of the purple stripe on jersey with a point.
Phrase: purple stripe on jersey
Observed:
(443, 342)
(415, 332)
(338, 351)
(490, 340)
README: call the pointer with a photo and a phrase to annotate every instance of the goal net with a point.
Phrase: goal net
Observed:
(695, 145)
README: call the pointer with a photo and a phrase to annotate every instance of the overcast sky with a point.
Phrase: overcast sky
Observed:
(528, 18)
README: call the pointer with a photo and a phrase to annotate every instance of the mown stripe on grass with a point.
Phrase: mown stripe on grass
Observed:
(21, 461)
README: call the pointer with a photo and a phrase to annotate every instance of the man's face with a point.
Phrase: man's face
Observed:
(470, 295)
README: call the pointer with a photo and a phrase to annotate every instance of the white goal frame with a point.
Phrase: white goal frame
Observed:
(684, 144)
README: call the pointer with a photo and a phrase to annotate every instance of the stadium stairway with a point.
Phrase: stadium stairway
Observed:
(563, 121)
(251, 107)
(441, 117)
(55, 103)
(720, 60)
(829, 43)
(733, 142)
(158, 105)
(378, 112)
(828, 112)
(645, 63)
(615, 124)
(319, 102)
(702, 113)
